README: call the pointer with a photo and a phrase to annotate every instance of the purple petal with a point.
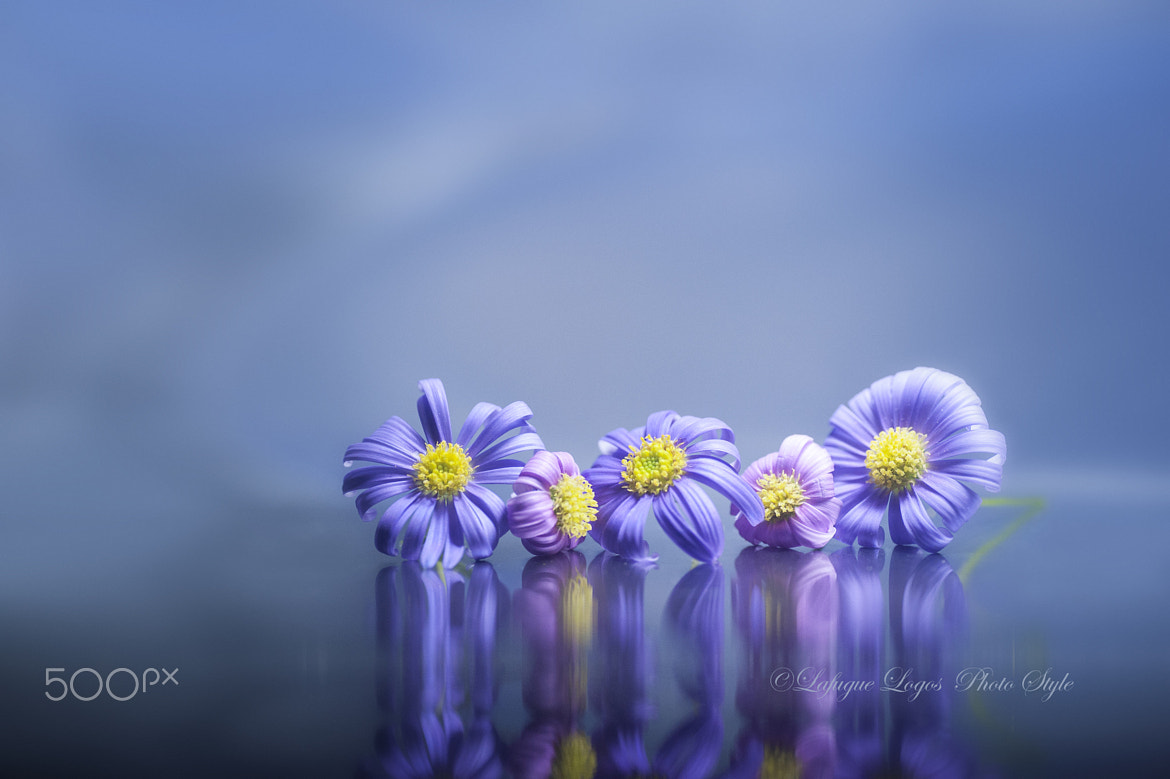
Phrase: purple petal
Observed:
(720, 477)
(716, 448)
(968, 442)
(367, 500)
(699, 429)
(545, 468)
(491, 504)
(397, 516)
(526, 441)
(606, 471)
(475, 420)
(660, 423)
(910, 524)
(499, 423)
(373, 476)
(986, 473)
(433, 411)
(862, 521)
(479, 529)
(549, 543)
(617, 443)
(690, 520)
(531, 514)
(375, 452)
(416, 531)
(851, 431)
(502, 472)
(620, 524)
(954, 503)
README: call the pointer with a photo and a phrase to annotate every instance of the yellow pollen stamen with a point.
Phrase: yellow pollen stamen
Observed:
(573, 505)
(896, 459)
(653, 467)
(574, 758)
(442, 471)
(577, 611)
(779, 764)
(781, 495)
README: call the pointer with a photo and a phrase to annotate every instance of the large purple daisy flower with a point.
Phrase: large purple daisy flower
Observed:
(552, 506)
(796, 487)
(438, 479)
(909, 445)
(661, 467)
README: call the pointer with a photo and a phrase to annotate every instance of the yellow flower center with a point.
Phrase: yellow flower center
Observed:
(442, 471)
(653, 467)
(573, 505)
(781, 494)
(575, 758)
(896, 458)
(779, 764)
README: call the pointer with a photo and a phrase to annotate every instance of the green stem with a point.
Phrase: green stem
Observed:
(1034, 506)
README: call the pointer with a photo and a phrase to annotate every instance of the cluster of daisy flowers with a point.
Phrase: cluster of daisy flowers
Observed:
(906, 450)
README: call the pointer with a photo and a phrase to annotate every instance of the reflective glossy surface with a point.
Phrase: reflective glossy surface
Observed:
(1020, 653)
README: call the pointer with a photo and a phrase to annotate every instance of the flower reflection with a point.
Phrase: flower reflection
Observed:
(927, 615)
(436, 639)
(554, 608)
(694, 626)
(785, 607)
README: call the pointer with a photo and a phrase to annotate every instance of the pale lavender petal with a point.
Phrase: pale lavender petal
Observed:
(531, 514)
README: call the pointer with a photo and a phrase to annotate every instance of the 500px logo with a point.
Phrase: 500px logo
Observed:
(127, 687)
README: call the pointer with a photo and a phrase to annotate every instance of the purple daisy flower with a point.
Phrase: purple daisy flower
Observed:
(438, 480)
(909, 445)
(661, 467)
(795, 485)
(552, 506)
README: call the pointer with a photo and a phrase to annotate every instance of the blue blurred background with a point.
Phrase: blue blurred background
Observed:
(233, 237)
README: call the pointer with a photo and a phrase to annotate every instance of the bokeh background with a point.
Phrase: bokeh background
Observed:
(233, 237)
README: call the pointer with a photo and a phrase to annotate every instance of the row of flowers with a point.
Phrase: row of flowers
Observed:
(907, 450)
